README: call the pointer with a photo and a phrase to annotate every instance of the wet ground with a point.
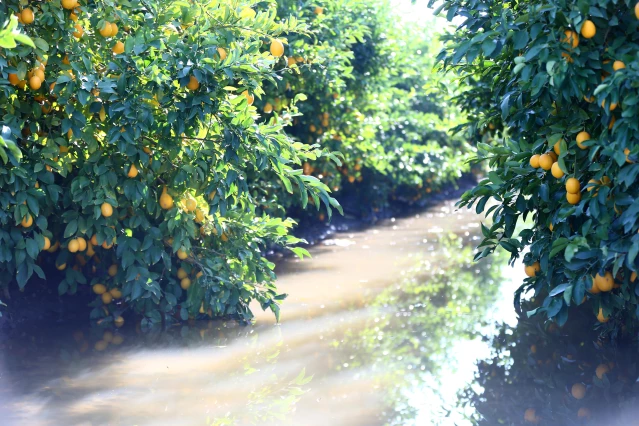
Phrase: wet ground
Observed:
(382, 326)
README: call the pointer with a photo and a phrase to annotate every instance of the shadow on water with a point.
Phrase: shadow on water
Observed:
(539, 373)
(383, 326)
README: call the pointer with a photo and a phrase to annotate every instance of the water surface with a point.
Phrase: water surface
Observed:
(382, 326)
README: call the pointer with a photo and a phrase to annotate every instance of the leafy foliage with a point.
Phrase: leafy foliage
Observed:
(539, 74)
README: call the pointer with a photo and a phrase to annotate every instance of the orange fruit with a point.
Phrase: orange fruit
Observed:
(185, 283)
(594, 289)
(99, 288)
(181, 254)
(618, 65)
(82, 244)
(181, 273)
(582, 137)
(13, 79)
(27, 16)
(35, 82)
(249, 98)
(222, 52)
(600, 316)
(604, 283)
(193, 84)
(133, 171)
(113, 270)
(105, 31)
(601, 370)
(27, 221)
(556, 147)
(118, 47)
(588, 29)
(116, 293)
(106, 298)
(573, 198)
(531, 270)
(119, 322)
(593, 183)
(571, 37)
(166, 201)
(73, 246)
(556, 171)
(573, 186)
(578, 390)
(268, 108)
(79, 31)
(69, 4)
(318, 10)
(277, 48)
(530, 416)
(47, 243)
(106, 209)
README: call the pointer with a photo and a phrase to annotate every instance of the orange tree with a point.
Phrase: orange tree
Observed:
(370, 98)
(138, 149)
(559, 81)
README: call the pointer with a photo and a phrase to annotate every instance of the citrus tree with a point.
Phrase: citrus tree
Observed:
(556, 84)
(139, 146)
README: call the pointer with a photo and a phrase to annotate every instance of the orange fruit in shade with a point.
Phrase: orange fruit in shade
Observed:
(277, 48)
(133, 171)
(181, 254)
(105, 31)
(99, 288)
(249, 98)
(113, 270)
(582, 137)
(106, 209)
(531, 270)
(556, 147)
(573, 198)
(588, 29)
(185, 283)
(637, 10)
(530, 416)
(222, 52)
(193, 84)
(618, 65)
(35, 82)
(601, 370)
(27, 221)
(106, 298)
(79, 31)
(601, 318)
(571, 38)
(604, 283)
(594, 289)
(47, 243)
(119, 322)
(578, 390)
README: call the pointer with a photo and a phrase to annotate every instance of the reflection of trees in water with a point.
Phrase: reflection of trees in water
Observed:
(442, 299)
(537, 371)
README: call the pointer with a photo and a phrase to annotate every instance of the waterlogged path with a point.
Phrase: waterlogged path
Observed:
(382, 326)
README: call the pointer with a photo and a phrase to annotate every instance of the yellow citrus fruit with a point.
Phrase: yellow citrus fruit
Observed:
(166, 201)
(249, 98)
(47, 243)
(573, 198)
(319, 10)
(571, 38)
(573, 186)
(79, 31)
(277, 48)
(73, 246)
(113, 270)
(61, 267)
(106, 209)
(190, 204)
(556, 171)
(181, 273)
(578, 390)
(588, 29)
(118, 339)
(106, 298)
(116, 293)
(119, 322)
(181, 254)
(589, 99)
(601, 370)
(133, 171)
(199, 274)
(268, 108)
(545, 161)
(193, 84)
(35, 82)
(605, 282)
(637, 10)
(69, 4)
(118, 48)
(222, 52)
(600, 316)
(99, 288)
(27, 16)
(100, 345)
(534, 161)
(582, 137)
(531, 270)
(105, 31)
(185, 283)
(618, 65)
(27, 221)
(82, 244)
(13, 79)
(633, 277)
(557, 148)
(54, 247)
(114, 29)
(199, 216)
(73, 17)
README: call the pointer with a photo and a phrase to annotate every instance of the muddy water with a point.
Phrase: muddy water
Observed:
(382, 326)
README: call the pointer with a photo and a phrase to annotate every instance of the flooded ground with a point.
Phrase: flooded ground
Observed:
(382, 326)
